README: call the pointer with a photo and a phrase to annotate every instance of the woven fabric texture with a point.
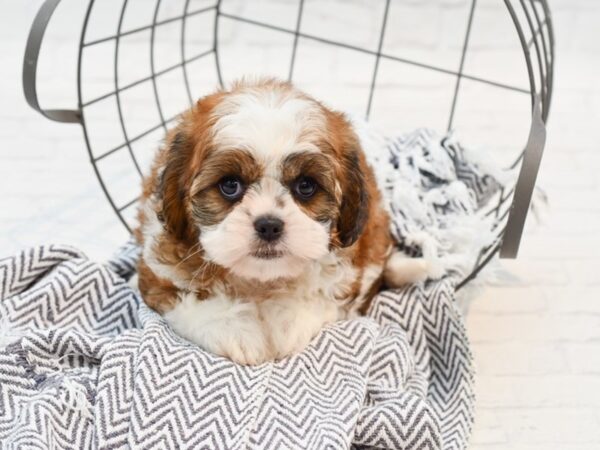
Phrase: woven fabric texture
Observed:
(85, 364)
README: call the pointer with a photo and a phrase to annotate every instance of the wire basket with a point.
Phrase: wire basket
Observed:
(140, 63)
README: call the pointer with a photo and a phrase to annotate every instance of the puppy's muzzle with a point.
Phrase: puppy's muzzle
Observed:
(268, 228)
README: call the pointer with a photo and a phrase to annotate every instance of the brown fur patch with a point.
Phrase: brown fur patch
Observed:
(158, 293)
(172, 187)
(322, 206)
(363, 225)
(167, 191)
(353, 174)
(208, 206)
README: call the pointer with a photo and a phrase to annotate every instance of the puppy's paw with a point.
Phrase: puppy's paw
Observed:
(290, 338)
(222, 326)
(247, 347)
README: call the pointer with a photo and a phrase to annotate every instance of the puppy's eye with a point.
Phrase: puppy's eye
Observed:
(305, 187)
(231, 188)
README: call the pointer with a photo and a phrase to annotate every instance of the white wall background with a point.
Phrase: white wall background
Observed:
(535, 335)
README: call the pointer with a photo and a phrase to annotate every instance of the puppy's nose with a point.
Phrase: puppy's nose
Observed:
(268, 228)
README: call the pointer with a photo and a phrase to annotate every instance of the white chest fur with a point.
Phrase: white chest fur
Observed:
(254, 332)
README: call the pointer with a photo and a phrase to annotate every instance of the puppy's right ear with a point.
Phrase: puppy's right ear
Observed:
(173, 186)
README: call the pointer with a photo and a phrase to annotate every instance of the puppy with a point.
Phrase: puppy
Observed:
(261, 222)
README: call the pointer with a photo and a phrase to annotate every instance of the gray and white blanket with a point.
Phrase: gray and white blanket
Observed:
(85, 364)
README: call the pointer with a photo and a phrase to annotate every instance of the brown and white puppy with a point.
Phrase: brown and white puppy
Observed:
(260, 223)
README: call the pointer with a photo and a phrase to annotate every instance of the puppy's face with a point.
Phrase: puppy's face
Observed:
(266, 179)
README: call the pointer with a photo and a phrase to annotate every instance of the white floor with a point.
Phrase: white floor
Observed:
(535, 335)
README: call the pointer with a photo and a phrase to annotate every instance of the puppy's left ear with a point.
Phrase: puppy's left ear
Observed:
(354, 208)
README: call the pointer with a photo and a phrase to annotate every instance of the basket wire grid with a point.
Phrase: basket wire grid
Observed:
(532, 23)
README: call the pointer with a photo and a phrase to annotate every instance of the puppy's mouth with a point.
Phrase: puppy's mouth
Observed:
(267, 252)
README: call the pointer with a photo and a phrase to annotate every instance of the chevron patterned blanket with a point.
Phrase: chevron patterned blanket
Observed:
(84, 364)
